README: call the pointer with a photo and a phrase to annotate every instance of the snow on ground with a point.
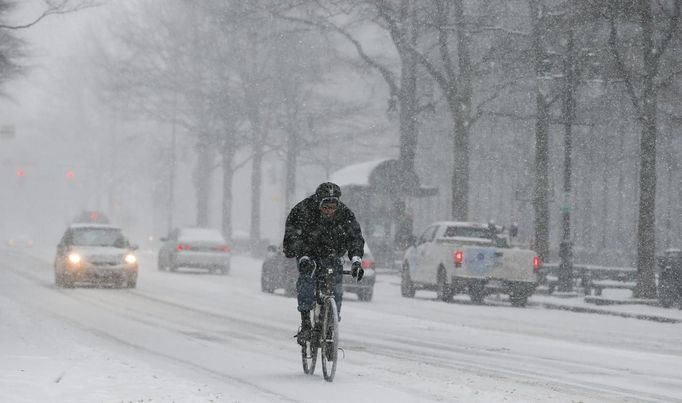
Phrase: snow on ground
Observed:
(194, 337)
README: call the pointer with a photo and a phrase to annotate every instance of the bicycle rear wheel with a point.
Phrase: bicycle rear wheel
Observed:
(330, 340)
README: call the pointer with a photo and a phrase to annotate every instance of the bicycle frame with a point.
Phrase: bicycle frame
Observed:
(325, 336)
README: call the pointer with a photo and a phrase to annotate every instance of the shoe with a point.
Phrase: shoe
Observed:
(304, 332)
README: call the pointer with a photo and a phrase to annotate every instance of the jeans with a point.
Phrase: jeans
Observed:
(305, 285)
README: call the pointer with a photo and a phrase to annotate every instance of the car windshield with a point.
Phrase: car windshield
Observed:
(98, 237)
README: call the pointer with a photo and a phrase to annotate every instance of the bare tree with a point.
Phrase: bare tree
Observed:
(12, 48)
(641, 35)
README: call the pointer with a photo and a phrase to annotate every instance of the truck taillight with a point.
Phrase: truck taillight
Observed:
(183, 246)
(458, 256)
(367, 264)
(536, 264)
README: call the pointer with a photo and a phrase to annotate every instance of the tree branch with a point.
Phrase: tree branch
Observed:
(613, 43)
(388, 76)
(54, 8)
(672, 29)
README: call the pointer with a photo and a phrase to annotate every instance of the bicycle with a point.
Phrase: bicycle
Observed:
(325, 334)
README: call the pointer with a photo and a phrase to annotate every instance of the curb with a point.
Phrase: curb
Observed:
(580, 309)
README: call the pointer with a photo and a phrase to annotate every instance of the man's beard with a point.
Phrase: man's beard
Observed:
(327, 218)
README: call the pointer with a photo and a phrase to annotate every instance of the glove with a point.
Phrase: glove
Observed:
(306, 265)
(356, 269)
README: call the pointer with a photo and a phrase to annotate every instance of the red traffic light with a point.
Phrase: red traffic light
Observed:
(70, 175)
(21, 173)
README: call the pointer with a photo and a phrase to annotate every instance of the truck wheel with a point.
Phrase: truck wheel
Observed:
(444, 290)
(518, 299)
(476, 292)
(406, 285)
(519, 293)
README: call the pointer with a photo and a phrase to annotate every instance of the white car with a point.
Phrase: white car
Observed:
(453, 257)
(95, 253)
(20, 241)
(203, 248)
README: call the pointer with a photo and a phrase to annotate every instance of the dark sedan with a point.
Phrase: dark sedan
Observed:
(280, 272)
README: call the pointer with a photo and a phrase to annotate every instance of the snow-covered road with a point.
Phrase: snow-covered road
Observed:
(198, 337)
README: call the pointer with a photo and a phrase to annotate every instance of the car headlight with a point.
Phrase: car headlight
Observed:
(130, 259)
(75, 258)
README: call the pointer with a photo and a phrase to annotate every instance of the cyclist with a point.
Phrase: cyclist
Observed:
(319, 231)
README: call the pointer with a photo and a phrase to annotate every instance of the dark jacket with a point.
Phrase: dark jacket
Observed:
(307, 233)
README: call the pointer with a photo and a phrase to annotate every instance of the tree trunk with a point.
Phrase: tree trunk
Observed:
(256, 181)
(460, 173)
(460, 105)
(290, 168)
(202, 181)
(227, 159)
(408, 97)
(646, 240)
(541, 191)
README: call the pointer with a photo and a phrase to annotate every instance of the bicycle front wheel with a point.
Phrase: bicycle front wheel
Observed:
(330, 340)
(309, 349)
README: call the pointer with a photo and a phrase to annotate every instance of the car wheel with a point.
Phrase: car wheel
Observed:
(224, 270)
(290, 288)
(132, 283)
(406, 285)
(58, 280)
(265, 283)
(444, 291)
(365, 295)
(160, 264)
(67, 282)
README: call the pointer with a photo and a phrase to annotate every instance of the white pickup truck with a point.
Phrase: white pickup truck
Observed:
(456, 257)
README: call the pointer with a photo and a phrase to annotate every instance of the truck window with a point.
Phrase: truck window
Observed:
(467, 232)
(428, 234)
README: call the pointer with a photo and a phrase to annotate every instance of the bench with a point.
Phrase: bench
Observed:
(591, 277)
(599, 285)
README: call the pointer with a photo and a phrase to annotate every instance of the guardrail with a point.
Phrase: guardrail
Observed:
(591, 277)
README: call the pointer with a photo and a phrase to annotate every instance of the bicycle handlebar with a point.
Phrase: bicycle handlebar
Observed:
(314, 272)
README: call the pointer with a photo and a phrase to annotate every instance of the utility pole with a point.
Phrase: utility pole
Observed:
(566, 245)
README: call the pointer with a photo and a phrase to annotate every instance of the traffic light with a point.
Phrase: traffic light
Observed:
(70, 176)
(21, 178)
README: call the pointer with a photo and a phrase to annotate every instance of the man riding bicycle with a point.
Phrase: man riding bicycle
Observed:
(319, 231)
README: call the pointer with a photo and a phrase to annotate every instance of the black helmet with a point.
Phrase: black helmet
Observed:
(328, 192)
